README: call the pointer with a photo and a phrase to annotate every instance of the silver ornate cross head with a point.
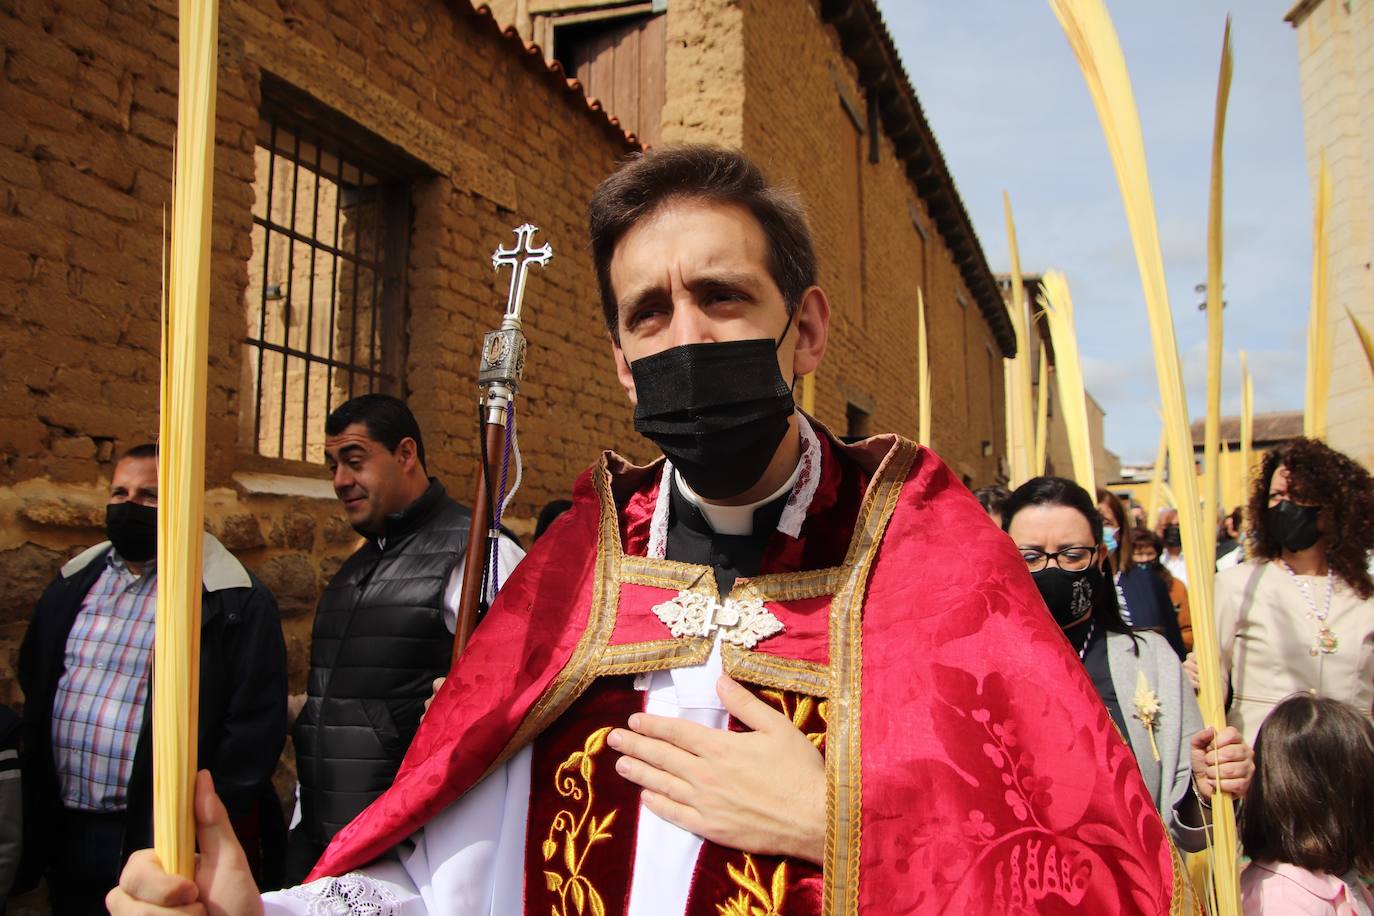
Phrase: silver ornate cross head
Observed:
(519, 258)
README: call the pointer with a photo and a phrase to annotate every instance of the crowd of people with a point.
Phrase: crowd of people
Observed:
(771, 673)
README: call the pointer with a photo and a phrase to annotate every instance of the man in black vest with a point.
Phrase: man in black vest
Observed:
(384, 626)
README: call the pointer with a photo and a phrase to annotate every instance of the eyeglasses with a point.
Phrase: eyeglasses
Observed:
(1072, 559)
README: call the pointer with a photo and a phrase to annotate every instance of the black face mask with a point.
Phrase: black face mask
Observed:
(1293, 526)
(1172, 536)
(1068, 595)
(132, 529)
(717, 410)
(1151, 565)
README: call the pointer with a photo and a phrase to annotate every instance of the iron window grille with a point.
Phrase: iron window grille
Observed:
(325, 304)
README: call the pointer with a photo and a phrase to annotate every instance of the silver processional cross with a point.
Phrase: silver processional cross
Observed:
(519, 258)
(503, 350)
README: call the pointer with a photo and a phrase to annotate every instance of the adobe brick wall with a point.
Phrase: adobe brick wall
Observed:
(871, 255)
(85, 145)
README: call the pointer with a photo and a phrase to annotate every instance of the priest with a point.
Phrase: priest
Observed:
(769, 673)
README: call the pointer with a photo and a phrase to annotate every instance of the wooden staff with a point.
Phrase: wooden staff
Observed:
(498, 378)
(181, 460)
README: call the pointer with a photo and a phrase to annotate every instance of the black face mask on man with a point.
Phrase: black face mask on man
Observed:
(132, 529)
(1292, 525)
(1069, 593)
(717, 410)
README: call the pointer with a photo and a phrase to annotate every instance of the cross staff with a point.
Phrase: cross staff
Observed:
(520, 258)
(499, 372)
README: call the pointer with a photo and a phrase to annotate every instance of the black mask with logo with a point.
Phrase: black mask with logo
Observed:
(132, 529)
(1069, 594)
(717, 410)
(1292, 525)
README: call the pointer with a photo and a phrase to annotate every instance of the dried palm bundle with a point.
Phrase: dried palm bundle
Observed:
(181, 460)
(1093, 38)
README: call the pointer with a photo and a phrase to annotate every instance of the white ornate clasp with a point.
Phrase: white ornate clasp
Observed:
(743, 623)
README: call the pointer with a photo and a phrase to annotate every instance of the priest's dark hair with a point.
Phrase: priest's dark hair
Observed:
(388, 421)
(1057, 491)
(1311, 803)
(656, 177)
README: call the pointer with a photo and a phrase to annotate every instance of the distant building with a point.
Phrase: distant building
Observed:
(1269, 429)
(1335, 51)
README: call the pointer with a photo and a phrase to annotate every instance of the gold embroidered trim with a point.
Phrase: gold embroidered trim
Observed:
(659, 655)
(593, 657)
(844, 794)
(576, 845)
(669, 574)
(1184, 899)
(581, 669)
(771, 671)
(815, 583)
(753, 898)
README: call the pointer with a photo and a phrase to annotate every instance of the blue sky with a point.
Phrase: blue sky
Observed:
(1011, 111)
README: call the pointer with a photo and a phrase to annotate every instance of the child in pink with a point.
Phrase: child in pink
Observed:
(1308, 820)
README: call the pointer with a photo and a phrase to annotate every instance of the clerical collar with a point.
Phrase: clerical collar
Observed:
(736, 520)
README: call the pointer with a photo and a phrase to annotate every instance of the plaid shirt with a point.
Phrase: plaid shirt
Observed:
(98, 709)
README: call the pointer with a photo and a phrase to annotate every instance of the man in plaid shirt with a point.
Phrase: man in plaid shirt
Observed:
(85, 667)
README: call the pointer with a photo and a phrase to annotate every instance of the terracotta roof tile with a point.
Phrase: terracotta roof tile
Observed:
(533, 57)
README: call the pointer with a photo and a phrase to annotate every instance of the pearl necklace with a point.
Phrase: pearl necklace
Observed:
(1327, 643)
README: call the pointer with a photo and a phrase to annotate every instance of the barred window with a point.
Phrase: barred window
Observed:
(325, 304)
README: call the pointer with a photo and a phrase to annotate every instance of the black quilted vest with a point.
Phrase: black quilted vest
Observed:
(378, 643)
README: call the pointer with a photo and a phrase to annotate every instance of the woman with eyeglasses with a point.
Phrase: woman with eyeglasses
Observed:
(1298, 616)
(1058, 529)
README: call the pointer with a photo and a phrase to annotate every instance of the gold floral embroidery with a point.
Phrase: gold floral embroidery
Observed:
(570, 777)
(753, 899)
(800, 712)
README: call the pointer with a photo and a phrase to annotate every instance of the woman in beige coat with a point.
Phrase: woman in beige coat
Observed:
(1298, 616)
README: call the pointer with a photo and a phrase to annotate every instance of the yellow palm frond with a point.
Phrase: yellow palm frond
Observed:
(1068, 371)
(1093, 38)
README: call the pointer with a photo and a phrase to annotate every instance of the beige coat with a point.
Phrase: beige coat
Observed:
(1267, 638)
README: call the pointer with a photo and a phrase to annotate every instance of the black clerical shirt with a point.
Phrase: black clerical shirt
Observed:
(692, 540)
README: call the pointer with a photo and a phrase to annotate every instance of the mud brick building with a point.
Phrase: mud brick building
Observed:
(815, 91)
(370, 157)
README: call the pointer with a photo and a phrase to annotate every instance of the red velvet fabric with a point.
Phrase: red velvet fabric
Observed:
(727, 882)
(990, 777)
(993, 780)
(580, 834)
